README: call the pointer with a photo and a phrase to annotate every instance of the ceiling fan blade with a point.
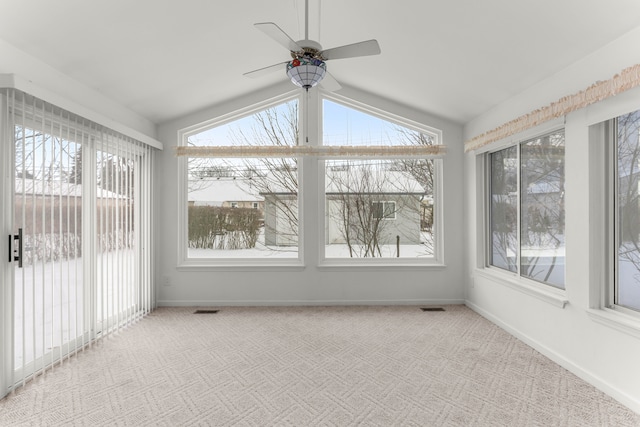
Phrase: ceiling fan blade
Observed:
(276, 33)
(266, 70)
(329, 83)
(366, 48)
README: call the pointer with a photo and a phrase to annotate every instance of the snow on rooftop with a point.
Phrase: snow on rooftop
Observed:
(39, 187)
(215, 191)
(388, 182)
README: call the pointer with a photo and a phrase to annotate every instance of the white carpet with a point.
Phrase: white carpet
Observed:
(307, 366)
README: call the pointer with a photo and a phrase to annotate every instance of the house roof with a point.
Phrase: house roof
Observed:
(356, 181)
(214, 192)
(454, 59)
(57, 188)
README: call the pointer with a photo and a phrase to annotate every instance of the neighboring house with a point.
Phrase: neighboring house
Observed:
(225, 192)
(57, 201)
(45, 192)
(50, 214)
(426, 213)
(280, 219)
(394, 203)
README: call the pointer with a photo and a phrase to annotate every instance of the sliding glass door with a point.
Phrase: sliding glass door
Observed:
(77, 210)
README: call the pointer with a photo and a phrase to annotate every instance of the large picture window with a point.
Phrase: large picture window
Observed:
(526, 218)
(374, 177)
(377, 207)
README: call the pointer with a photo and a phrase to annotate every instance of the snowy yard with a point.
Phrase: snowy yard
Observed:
(49, 298)
(423, 250)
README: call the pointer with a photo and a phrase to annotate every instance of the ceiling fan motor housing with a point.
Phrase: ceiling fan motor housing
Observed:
(309, 46)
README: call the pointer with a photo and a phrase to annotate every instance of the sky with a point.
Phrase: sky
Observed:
(341, 126)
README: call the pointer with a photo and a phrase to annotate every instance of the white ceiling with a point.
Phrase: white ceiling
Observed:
(453, 58)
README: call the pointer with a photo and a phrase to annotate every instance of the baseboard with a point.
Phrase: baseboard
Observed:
(236, 303)
(596, 381)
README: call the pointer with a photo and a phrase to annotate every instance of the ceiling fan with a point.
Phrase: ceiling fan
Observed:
(308, 66)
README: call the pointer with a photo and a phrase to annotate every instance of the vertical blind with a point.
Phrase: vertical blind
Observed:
(82, 204)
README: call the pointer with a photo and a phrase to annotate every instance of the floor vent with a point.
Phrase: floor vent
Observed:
(432, 309)
(206, 311)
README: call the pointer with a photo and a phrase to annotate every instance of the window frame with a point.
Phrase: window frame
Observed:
(384, 216)
(544, 291)
(611, 287)
(603, 309)
(310, 124)
(437, 260)
(186, 263)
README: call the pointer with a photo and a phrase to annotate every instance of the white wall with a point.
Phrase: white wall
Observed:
(603, 355)
(311, 285)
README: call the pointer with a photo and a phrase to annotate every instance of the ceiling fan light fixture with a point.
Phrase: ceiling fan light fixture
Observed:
(306, 72)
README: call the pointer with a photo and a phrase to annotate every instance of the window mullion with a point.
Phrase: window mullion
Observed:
(487, 195)
(309, 192)
(519, 211)
(613, 239)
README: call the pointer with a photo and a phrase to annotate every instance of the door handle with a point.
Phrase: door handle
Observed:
(15, 254)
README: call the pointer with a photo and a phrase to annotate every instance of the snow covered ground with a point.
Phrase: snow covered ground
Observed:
(49, 298)
(629, 285)
(423, 250)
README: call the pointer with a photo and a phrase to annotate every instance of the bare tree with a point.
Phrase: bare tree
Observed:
(355, 203)
(116, 174)
(504, 211)
(75, 177)
(39, 155)
(276, 179)
(423, 171)
(372, 207)
(542, 200)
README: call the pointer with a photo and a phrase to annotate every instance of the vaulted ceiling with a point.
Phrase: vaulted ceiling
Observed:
(454, 58)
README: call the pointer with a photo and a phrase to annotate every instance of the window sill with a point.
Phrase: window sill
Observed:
(377, 264)
(240, 265)
(555, 297)
(616, 320)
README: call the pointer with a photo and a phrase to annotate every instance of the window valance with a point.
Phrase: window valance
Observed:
(625, 80)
